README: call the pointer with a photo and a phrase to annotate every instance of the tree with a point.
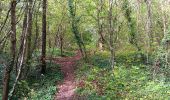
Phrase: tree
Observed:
(131, 24)
(22, 51)
(148, 27)
(43, 55)
(74, 24)
(111, 32)
(35, 42)
(100, 24)
(13, 51)
(0, 11)
(29, 51)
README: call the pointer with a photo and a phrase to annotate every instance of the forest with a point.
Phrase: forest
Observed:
(84, 50)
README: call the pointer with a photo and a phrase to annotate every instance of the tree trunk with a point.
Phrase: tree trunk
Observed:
(131, 25)
(24, 25)
(61, 45)
(20, 59)
(164, 20)
(0, 12)
(36, 29)
(100, 26)
(148, 28)
(13, 51)
(43, 55)
(13, 29)
(22, 51)
(75, 30)
(29, 36)
(111, 32)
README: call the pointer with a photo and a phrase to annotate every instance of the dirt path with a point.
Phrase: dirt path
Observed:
(67, 88)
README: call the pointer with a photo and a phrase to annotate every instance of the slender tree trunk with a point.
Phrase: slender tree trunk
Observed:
(131, 25)
(138, 17)
(24, 24)
(111, 32)
(61, 37)
(164, 20)
(13, 29)
(22, 51)
(36, 29)
(75, 30)
(148, 28)
(29, 36)
(43, 55)
(149, 21)
(49, 39)
(61, 45)
(13, 51)
(99, 24)
(20, 59)
(0, 12)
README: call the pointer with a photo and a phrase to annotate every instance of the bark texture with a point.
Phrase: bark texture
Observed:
(43, 63)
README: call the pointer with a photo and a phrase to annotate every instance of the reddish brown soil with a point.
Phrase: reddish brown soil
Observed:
(68, 87)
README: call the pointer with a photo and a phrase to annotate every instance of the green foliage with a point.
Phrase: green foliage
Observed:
(39, 87)
(44, 87)
(4, 58)
(99, 84)
(161, 59)
(74, 23)
(129, 58)
(54, 52)
(87, 37)
(131, 80)
(22, 89)
(131, 24)
(166, 39)
(100, 60)
(43, 94)
(128, 83)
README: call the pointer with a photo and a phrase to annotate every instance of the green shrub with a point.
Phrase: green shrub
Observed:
(43, 94)
(37, 86)
(128, 83)
(100, 60)
(54, 52)
(161, 59)
(22, 90)
(132, 57)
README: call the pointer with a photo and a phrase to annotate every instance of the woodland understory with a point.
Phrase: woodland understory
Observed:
(85, 49)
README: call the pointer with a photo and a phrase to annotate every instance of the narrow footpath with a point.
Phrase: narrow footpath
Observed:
(68, 87)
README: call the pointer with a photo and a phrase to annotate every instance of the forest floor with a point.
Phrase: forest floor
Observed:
(66, 89)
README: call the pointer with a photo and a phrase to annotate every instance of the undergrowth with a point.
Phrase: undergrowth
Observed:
(54, 52)
(131, 81)
(43, 87)
(38, 86)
